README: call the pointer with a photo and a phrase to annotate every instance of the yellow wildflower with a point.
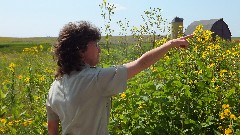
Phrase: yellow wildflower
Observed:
(217, 87)
(227, 112)
(17, 121)
(217, 47)
(123, 95)
(199, 27)
(228, 131)
(12, 66)
(195, 49)
(10, 123)
(228, 52)
(222, 72)
(30, 122)
(200, 71)
(221, 116)
(25, 123)
(225, 106)
(2, 130)
(211, 65)
(41, 78)
(213, 80)
(190, 82)
(35, 49)
(232, 73)
(26, 49)
(4, 121)
(209, 47)
(40, 47)
(27, 79)
(205, 53)
(232, 116)
(20, 77)
(199, 39)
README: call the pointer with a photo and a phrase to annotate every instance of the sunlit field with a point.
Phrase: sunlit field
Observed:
(193, 91)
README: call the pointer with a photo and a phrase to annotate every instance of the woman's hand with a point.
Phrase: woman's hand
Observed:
(180, 42)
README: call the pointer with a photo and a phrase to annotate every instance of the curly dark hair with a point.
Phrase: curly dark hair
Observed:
(71, 43)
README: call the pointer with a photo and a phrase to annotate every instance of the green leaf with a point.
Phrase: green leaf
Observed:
(187, 90)
(2, 94)
(139, 102)
(189, 121)
(177, 83)
(209, 73)
(230, 92)
(237, 133)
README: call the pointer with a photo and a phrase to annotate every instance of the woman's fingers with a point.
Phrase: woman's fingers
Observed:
(188, 36)
(184, 41)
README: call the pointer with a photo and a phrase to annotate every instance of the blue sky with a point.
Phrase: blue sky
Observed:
(40, 18)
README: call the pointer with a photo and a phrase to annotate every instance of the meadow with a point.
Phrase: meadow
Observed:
(193, 91)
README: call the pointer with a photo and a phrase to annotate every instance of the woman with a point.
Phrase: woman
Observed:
(79, 98)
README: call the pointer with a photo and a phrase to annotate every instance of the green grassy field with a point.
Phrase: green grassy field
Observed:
(8, 44)
(236, 38)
